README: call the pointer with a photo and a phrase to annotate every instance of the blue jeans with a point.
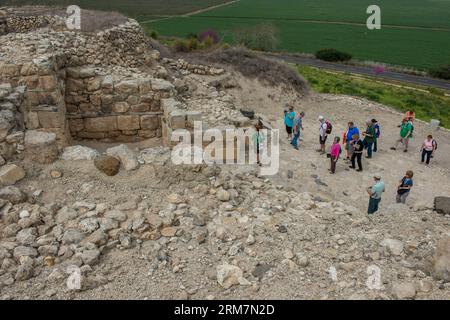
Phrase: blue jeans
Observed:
(294, 141)
(368, 145)
(373, 205)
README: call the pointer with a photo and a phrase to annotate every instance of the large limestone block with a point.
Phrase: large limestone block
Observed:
(130, 122)
(10, 174)
(41, 146)
(100, 124)
(150, 122)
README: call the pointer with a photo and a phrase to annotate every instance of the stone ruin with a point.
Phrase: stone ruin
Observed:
(58, 85)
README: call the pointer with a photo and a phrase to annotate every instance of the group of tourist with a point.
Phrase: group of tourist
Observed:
(355, 143)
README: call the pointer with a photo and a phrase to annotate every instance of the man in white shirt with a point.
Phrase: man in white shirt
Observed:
(323, 134)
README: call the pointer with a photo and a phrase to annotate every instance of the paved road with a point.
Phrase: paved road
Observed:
(398, 76)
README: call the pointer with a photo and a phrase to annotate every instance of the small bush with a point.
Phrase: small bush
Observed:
(181, 45)
(208, 42)
(191, 36)
(210, 36)
(442, 72)
(154, 34)
(193, 44)
(332, 55)
(262, 37)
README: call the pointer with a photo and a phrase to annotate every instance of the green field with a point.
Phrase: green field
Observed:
(138, 9)
(414, 33)
(428, 103)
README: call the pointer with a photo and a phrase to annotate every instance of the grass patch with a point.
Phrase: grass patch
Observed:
(428, 103)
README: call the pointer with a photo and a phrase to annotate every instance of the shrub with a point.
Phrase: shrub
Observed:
(210, 36)
(208, 42)
(191, 36)
(442, 72)
(263, 37)
(181, 45)
(332, 55)
(192, 44)
(154, 34)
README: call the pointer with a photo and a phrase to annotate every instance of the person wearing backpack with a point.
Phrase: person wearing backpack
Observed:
(335, 151)
(405, 187)
(428, 147)
(324, 130)
(376, 126)
(406, 130)
(369, 138)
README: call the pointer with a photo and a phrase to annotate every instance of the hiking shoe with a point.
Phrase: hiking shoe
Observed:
(393, 148)
(405, 150)
(358, 170)
(351, 167)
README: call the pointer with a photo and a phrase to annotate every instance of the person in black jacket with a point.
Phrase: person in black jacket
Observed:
(358, 147)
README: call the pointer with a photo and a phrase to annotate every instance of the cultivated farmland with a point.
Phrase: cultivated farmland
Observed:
(139, 9)
(414, 33)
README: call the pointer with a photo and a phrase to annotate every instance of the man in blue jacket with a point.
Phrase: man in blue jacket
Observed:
(351, 131)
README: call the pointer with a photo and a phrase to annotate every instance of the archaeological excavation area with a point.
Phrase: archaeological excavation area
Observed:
(92, 207)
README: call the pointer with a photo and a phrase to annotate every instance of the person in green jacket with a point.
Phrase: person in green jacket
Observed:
(369, 138)
(406, 130)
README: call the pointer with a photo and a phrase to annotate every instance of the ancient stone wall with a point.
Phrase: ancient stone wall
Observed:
(114, 103)
(87, 79)
(44, 106)
(11, 121)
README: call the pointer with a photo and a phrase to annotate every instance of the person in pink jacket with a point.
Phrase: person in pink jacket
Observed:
(334, 154)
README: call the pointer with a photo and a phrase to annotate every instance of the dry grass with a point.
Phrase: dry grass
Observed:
(253, 66)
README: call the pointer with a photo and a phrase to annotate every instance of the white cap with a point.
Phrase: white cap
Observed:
(321, 117)
(377, 176)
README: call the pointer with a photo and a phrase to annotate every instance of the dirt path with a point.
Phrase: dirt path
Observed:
(193, 12)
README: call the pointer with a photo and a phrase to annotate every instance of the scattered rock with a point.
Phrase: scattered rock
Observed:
(75, 153)
(404, 290)
(65, 214)
(229, 275)
(56, 174)
(10, 174)
(393, 246)
(442, 205)
(223, 195)
(169, 232)
(72, 236)
(108, 165)
(260, 270)
(13, 195)
(441, 260)
(126, 156)
(90, 257)
(175, 198)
